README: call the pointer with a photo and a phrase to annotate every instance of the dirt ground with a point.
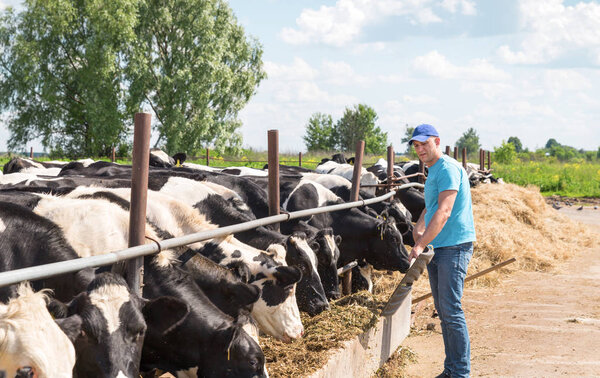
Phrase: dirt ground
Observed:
(532, 324)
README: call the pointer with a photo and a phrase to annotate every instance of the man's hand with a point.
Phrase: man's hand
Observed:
(415, 252)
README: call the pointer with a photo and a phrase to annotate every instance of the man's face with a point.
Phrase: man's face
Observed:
(428, 150)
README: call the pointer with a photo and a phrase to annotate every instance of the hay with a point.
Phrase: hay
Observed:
(510, 221)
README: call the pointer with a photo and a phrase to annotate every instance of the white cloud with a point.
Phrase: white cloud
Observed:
(419, 99)
(559, 81)
(437, 65)
(341, 73)
(298, 70)
(343, 22)
(467, 7)
(553, 29)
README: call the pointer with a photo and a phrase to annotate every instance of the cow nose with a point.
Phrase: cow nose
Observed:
(333, 295)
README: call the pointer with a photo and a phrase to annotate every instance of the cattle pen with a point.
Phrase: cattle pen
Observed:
(361, 356)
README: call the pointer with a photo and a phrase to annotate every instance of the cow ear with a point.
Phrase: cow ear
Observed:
(338, 240)
(240, 293)
(71, 326)
(314, 245)
(164, 314)
(240, 270)
(57, 309)
(287, 275)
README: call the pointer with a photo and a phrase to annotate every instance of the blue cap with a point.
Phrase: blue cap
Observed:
(423, 132)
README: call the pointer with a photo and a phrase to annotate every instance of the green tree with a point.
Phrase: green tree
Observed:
(61, 76)
(516, 142)
(470, 140)
(195, 67)
(506, 153)
(408, 132)
(598, 153)
(552, 143)
(320, 133)
(359, 124)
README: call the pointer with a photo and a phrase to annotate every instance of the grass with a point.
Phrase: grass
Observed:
(565, 179)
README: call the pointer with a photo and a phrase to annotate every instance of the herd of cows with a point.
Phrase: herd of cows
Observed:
(202, 305)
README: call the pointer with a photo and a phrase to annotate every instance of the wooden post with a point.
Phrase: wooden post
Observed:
(207, 156)
(464, 157)
(31, 153)
(139, 196)
(114, 157)
(422, 171)
(273, 145)
(481, 159)
(489, 160)
(448, 150)
(390, 168)
(299, 159)
(456, 153)
(358, 158)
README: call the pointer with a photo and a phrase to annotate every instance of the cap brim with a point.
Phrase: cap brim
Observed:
(420, 138)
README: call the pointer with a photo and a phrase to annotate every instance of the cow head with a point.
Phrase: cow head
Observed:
(325, 243)
(386, 247)
(112, 328)
(276, 312)
(310, 294)
(403, 219)
(234, 354)
(30, 341)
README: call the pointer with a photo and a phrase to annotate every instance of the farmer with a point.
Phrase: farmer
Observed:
(446, 223)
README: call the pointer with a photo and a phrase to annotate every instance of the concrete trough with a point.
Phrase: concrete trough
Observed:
(363, 355)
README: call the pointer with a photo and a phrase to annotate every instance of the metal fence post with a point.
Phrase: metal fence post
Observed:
(456, 153)
(489, 160)
(31, 153)
(390, 167)
(114, 156)
(139, 196)
(273, 145)
(422, 172)
(300, 159)
(464, 157)
(448, 150)
(481, 159)
(358, 158)
(207, 156)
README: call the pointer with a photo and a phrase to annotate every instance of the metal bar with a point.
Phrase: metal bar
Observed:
(207, 156)
(448, 150)
(69, 266)
(347, 267)
(273, 145)
(299, 159)
(390, 167)
(356, 175)
(408, 176)
(481, 159)
(464, 157)
(455, 153)
(113, 156)
(31, 153)
(489, 160)
(422, 172)
(139, 196)
(472, 277)
(415, 184)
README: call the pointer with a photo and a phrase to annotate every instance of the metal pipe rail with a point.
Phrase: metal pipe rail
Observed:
(69, 266)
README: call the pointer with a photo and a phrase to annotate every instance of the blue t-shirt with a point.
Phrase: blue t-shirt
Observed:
(448, 174)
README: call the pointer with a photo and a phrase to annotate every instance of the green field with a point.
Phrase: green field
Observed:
(565, 179)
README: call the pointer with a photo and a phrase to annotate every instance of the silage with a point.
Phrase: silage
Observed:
(510, 221)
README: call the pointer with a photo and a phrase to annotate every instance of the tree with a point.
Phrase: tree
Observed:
(470, 140)
(320, 133)
(195, 67)
(552, 143)
(516, 142)
(598, 153)
(408, 132)
(506, 153)
(61, 76)
(359, 124)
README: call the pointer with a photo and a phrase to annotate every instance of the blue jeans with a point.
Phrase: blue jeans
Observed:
(447, 271)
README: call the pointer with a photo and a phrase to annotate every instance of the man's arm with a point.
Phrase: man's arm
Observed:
(445, 203)
(419, 228)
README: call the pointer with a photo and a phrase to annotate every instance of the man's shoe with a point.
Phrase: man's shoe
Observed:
(444, 374)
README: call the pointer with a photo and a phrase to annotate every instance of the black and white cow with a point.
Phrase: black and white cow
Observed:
(159, 158)
(347, 171)
(363, 237)
(29, 337)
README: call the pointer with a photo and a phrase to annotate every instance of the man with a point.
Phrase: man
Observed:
(446, 223)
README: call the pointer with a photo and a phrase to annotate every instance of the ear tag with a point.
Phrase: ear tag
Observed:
(178, 164)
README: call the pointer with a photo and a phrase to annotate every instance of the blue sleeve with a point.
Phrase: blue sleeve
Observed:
(449, 179)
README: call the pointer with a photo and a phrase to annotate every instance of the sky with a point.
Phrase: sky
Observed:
(528, 68)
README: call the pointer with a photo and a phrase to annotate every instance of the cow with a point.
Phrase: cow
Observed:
(310, 293)
(245, 171)
(279, 316)
(363, 237)
(49, 168)
(347, 171)
(159, 158)
(29, 337)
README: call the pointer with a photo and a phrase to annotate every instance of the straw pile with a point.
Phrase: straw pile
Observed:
(510, 221)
